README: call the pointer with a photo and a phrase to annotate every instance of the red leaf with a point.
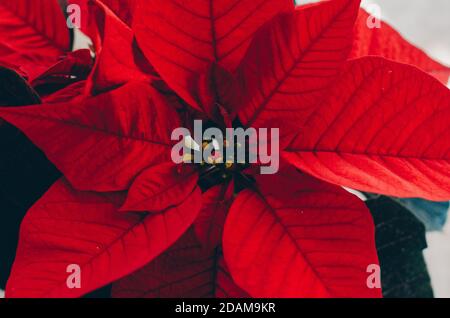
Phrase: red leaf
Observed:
(185, 270)
(122, 8)
(159, 187)
(300, 237)
(182, 38)
(34, 34)
(292, 61)
(387, 42)
(219, 92)
(119, 60)
(210, 222)
(67, 227)
(383, 129)
(70, 93)
(75, 67)
(104, 142)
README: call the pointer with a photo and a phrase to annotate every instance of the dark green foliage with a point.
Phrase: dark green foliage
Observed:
(400, 239)
(25, 173)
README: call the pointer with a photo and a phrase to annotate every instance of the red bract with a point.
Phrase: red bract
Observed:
(387, 42)
(133, 136)
(34, 35)
(182, 40)
(75, 67)
(121, 8)
(311, 241)
(70, 227)
(368, 123)
(113, 67)
(185, 270)
(389, 120)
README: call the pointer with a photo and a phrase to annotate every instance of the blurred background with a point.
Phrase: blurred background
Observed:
(426, 24)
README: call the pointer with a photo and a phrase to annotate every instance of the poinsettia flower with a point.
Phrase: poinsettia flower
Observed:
(370, 124)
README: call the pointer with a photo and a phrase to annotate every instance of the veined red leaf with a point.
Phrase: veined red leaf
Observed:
(383, 129)
(34, 34)
(85, 229)
(388, 43)
(182, 38)
(300, 237)
(211, 219)
(119, 60)
(292, 61)
(159, 187)
(102, 143)
(186, 270)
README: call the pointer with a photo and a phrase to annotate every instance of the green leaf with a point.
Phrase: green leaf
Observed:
(25, 173)
(400, 239)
